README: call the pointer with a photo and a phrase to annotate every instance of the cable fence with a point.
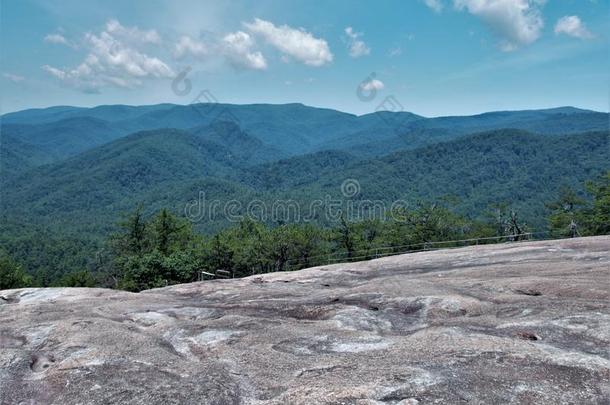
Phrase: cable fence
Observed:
(384, 251)
(379, 252)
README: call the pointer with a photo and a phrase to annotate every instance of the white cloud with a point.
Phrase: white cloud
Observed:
(132, 34)
(357, 47)
(395, 51)
(238, 49)
(435, 5)
(188, 46)
(57, 39)
(13, 78)
(372, 84)
(572, 25)
(517, 22)
(112, 61)
(296, 43)
(115, 55)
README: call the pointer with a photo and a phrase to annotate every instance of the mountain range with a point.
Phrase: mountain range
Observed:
(293, 129)
(69, 172)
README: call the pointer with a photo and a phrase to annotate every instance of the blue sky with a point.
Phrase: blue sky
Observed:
(433, 57)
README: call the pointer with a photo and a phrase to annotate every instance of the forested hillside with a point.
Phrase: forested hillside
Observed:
(68, 174)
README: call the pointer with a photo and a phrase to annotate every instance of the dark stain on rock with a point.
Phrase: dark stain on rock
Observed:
(528, 336)
(9, 300)
(412, 308)
(41, 362)
(167, 346)
(529, 291)
(319, 371)
(305, 312)
(304, 346)
(397, 396)
(82, 323)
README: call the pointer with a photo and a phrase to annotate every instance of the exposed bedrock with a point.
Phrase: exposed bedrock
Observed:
(526, 322)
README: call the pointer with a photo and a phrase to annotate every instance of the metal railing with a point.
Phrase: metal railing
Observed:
(384, 251)
(220, 273)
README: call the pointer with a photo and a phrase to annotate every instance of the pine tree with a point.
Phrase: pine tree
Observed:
(131, 238)
(165, 228)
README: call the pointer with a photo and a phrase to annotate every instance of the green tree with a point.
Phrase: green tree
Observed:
(242, 249)
(433, 222)
(12, 275)
(346, 237)
(154, 270)
(131, 238)
(160, 252)
(165, 226)
(309, 243)
(566, 216)
(597, 217)
(221, 252)
(573, 216)
(78, 279)
(169, 233)
(281, 246)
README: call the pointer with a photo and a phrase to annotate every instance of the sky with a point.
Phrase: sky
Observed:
(430, 57)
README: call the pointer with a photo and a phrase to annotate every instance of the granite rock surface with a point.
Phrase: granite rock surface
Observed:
(514, 323)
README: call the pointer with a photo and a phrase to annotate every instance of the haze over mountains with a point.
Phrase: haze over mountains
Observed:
(293, 129)
(70, 171)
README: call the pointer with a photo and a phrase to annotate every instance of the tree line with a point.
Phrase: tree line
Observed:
(163, 249)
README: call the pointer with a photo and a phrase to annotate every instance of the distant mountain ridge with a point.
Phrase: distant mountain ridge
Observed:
(289, 129)
(119, 112)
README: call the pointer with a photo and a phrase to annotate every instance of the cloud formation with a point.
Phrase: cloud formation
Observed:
(13, 77)
(189, 47)
(397, 51)
(57, 39)
(132, 34)
(357, 47)
(238, 48)
(125, 57)
(295, 43)
(113, 59)
(436, 5)
(372, 85)
(516, 22)
(572, 25)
